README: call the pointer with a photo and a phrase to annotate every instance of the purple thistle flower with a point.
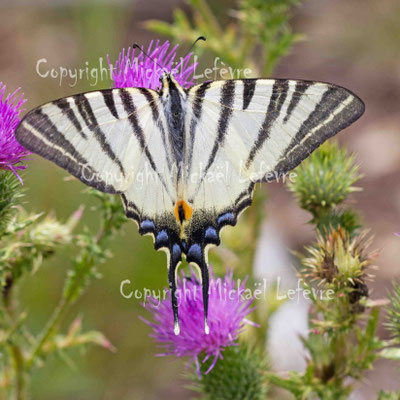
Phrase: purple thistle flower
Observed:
(141, 71)
(11, 152)
(226, 318)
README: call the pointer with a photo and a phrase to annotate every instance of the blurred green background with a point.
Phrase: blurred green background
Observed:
(351, 43)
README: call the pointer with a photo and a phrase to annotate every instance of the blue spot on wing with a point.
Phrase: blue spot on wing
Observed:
(211, 233)
(227, 218)
(147, 226)
(162, 238)
(176, 252)
(195, 252)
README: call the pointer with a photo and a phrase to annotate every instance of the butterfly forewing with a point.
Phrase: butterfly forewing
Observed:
(109, 140)
(271, 121)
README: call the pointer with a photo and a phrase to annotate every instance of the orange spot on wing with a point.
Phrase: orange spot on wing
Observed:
(187, 210)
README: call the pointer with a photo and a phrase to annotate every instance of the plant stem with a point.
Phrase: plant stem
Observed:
(48, 331)
(6, 293)
(15, 351)
(19, 372)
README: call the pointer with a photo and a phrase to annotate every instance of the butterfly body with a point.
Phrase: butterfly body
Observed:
(173, 98)
(185, 161)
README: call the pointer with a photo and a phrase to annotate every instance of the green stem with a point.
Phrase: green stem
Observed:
(16, 355)
(50, 328)
(19, 372)
(6, 293)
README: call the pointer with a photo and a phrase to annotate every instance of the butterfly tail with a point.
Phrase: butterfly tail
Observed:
(175, 260)
(205, 282)
(196, 254)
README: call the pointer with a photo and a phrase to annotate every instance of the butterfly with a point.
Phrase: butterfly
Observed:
(185, 161)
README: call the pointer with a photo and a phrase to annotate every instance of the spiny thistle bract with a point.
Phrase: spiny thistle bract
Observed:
(238, 376)
(325, 179)
(10, 194)
(30, 240)
(339, 261)
(347, 219)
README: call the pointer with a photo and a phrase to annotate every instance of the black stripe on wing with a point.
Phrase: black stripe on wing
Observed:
(108, 96)
(65, 107)
(197, 111)
(37, 133)
(86, 111)
(337, 109)
(131, 110)
(227, 99)
(249, 86)
(157, 120)
(278, 97)
(299, 90)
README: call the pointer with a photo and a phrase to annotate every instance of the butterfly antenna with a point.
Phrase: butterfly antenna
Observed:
(191, 47)
(136, 46)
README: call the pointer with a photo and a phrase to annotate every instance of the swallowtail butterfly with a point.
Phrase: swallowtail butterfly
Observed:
(185, 161)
